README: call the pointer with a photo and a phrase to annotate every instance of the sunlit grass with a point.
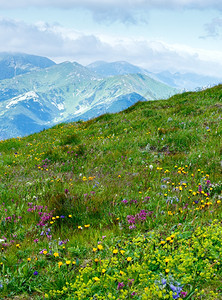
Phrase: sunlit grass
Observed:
(123, 206)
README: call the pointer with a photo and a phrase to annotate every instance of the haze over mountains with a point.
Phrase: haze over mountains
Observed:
(37, 93)
(184, 81)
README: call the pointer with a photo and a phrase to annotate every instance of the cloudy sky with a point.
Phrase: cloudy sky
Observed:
(175, 35)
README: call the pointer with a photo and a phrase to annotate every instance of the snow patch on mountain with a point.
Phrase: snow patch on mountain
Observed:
(59, 106)
(25, 97)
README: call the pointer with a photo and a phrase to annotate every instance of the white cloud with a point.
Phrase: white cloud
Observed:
(60, 43)
(127, 11)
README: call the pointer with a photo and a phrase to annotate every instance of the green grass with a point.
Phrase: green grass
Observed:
(124, 206)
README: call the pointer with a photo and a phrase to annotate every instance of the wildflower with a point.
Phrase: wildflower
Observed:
(96, 260)
(129, 259)
(68, 262)
(94, 249)
(96, 279)
(176, 291)
(70, 216)
(28, 259)
(86, 226)
(132, 226)
(122, 251)
(115, 251)
(103, 271)
(100, 247)
(60, 264)
(167, 271)
(120, 285)
(44, 252)
(56, 254)
(183, 294)
(130, 282)
(18, 245)
(35, 273)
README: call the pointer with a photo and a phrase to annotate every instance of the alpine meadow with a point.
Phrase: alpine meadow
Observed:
(123, 206)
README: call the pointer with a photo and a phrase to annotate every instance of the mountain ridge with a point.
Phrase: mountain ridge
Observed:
(13, 64)
(69, 91)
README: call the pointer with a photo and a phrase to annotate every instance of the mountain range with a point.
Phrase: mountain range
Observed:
(183, 81)
(37, 93)
(53, 93)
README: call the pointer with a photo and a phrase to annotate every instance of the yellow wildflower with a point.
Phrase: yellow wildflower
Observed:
(100, 247)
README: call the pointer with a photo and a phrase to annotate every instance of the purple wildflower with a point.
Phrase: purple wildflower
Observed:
(183, 294)
(176, 291)
(130, 282)
(132, 226)
(120, 285)
(208, 182)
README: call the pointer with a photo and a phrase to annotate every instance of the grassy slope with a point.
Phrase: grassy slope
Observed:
(122, 206)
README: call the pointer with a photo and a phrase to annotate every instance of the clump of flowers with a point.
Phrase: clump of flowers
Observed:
(138, 218)
(169, 285)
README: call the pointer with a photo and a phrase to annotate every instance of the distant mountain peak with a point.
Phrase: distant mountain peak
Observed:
(14, 63)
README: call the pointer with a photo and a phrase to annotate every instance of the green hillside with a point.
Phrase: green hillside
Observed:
(124, 206)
